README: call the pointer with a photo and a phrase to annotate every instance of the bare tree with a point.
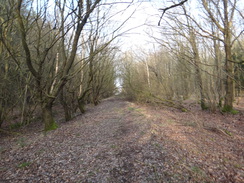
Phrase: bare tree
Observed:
(222, 14)
(220, 17)
(49, 88)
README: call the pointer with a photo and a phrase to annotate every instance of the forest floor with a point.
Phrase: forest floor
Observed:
(121, 141)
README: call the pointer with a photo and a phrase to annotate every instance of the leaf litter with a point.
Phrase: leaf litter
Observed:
(120, 141)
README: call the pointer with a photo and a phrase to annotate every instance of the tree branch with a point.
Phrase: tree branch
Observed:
(170, 7)
(24, 41)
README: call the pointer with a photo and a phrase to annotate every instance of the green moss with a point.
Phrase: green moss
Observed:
(234, 111)
(113, 146)
(78, 134)
(138, 110)
(184, 110)
(131, 108)
(22, 142)
(230, 110)
(190, 123)
(16, 125)
(198, 171)
(23, 165)
(52, 126)
(228, 132)
(157, 145)
(204, 106)
(237, 166)
(227, 108)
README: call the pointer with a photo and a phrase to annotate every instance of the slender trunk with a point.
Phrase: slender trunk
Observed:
(2, 116)
(95, 100)
(148, 77)
(198, 71)
(23, 113)
(47, 117)
(67, 111)
(229, 66)
(200, 85)
(81, 65)
(238, 84)
(219, 82)
(229, 87)
(81, 101)
(55, 73)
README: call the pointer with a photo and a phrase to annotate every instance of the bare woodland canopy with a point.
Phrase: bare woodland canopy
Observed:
(66, 53)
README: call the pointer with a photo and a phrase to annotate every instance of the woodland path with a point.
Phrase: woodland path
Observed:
(120, 141)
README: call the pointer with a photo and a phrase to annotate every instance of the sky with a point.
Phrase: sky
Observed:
(145, 18)
(144, 14)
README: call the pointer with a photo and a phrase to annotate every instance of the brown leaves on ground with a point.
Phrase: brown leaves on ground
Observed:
(120, 141)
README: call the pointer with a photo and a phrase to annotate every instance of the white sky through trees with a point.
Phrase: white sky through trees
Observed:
(143, 22)
(141, 16)
(138, 14)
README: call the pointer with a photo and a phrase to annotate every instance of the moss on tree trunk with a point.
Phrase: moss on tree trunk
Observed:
(48, 119)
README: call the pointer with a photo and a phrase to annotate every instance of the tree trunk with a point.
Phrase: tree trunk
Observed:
(67, 113)
(229, 87)
(81, 101)
(24, 111)
(229, 66)
(81, 105)
(95, 101)
(2, 116)
(219, 83)
(47, 118)
(67, 110)
(197, 61)
(200, 85)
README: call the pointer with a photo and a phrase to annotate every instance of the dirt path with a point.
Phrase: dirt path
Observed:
(119, 141)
